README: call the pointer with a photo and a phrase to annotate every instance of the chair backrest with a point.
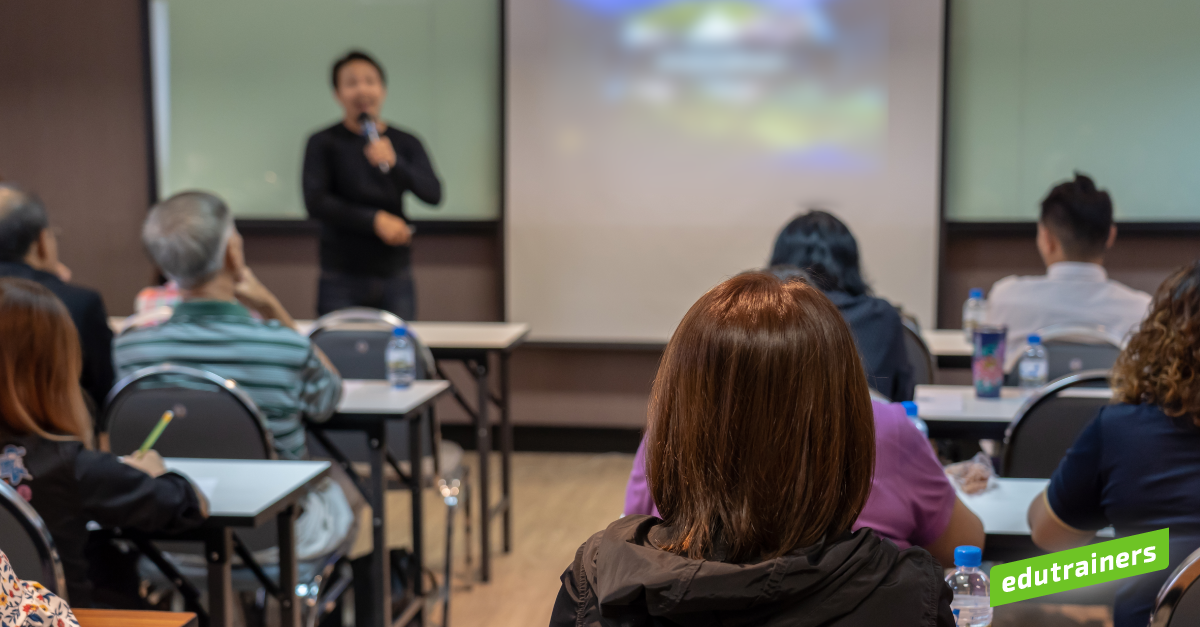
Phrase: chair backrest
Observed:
(355, 340)
(26, 541)
(1074, 348)
(214, 418)
(1048, 423)
(920, 358)
(876, 395)
(1178, 601)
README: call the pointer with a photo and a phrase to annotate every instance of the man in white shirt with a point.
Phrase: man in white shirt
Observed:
(1074, 232)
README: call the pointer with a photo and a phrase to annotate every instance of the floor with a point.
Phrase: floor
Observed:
(560, 499)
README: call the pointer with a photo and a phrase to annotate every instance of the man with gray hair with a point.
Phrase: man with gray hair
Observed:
(191, 236)
(29, 250)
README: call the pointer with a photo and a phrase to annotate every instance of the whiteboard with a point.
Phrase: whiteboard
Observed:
(239, 86)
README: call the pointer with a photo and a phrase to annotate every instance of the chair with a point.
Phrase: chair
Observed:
(1048, 423)
(1074, 347)
(26, 541)
(1178, 601)
(214, 419)
(920, 358)
(355, 340)
(876, 395)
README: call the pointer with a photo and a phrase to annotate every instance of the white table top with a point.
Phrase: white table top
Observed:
(379, 397)
(464, 335)
(238, 488)
(959, 403)
(1004, 507)
(947, 342)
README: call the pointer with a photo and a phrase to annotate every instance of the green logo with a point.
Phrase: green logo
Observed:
(1076, 568)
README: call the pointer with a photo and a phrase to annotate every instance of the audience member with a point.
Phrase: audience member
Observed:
(192, 238)
(911, 503)
(760, 453)
(1075, 231)
(29, 250)
(46, 436)
(1136, 466)
(820, 244)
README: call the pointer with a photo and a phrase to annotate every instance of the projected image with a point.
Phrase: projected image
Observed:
(798, 82)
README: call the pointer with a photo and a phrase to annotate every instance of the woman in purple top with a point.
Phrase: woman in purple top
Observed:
(911, 502)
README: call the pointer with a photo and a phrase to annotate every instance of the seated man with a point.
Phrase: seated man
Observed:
(1074, 232)
(29, 250)
(192, 238)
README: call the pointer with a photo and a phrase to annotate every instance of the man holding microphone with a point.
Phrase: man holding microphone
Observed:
(355, 175)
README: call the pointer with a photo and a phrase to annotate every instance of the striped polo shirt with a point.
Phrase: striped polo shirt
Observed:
(273, 364)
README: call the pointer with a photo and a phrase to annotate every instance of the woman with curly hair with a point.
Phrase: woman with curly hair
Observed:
(1136, 466)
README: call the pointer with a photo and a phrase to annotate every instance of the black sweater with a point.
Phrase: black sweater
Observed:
(343, 191)
(70, 486)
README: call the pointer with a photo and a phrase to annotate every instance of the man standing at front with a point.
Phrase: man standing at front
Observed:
(355, 175)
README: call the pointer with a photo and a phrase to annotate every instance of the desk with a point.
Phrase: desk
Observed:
(274, 492)
(1003, 509)
(950, 347)
(953, 411)
(471, 343)
(368, 406)
(133, 618)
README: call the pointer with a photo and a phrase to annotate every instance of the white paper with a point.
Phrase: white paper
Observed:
(937, 404)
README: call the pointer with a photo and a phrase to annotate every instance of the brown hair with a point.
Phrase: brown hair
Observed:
(1161, 364)
(761, 435)
(40, 362)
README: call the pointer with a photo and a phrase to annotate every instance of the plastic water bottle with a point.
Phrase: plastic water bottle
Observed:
(972, 600)
(1034, 368)
(974, 313)
(910, 408)
(401, 359)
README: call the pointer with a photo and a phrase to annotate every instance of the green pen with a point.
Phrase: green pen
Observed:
(158, 429)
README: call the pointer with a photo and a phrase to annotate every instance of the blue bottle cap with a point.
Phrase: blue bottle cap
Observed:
(968, 556)
(1035, 339)
(976, 292)
(400, 331)
(910, 408)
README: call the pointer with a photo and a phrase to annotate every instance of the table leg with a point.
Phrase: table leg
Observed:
(506, 449)
(289, 607)
(381, 570)
(417, 464)
(483, 435)
(218, 545)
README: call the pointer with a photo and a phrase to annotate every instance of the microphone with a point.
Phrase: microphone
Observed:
(372, 132)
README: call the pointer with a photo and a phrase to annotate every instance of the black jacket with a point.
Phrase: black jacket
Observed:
(70, 486)
(87, 312)
(879, 334)
(620, 578)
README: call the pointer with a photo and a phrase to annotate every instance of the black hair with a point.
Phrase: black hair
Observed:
(355, 55)
(1080, 216)
(820, 244)
(22, 220)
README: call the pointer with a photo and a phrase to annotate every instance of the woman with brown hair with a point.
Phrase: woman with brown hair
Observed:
(1136, 466)
(760, 453)
(45, 442)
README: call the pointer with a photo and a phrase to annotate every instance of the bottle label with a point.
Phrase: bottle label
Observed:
(1034, 369)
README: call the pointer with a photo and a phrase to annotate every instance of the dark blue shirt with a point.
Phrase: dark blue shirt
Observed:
(879, 334)
(1137, 469)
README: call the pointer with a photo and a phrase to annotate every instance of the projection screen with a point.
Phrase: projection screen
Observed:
(656, 147)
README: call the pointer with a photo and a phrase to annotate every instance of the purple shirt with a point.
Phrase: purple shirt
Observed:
(911, 499)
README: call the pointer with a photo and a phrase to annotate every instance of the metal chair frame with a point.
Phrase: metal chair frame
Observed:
(913, 331)
(1051, 390)
(1173, 590)
(450, 484)
(315, 603)
(52, 571)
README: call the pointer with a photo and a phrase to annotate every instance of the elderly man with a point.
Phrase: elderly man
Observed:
(192, 239)
(29, 250)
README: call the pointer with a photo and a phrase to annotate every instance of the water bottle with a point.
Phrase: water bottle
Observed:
(401, 359)
(974, 313)
(910, 408)
(1034, 368)
(972, 600)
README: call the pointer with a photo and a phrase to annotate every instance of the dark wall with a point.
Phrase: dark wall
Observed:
(73, 128)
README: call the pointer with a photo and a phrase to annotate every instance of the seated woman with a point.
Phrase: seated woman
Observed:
(28, 603)
(45, 436)
(1136, 466)
(760, 453)
(820, 244)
